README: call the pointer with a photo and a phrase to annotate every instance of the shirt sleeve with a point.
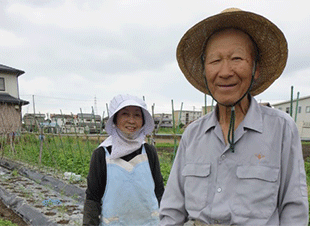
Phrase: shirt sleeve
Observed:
(172, 206)
(96, 182)
(155, 169)
(293, 195)
(91, 214)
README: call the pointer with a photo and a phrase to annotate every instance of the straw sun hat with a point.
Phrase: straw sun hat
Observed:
(271, 43)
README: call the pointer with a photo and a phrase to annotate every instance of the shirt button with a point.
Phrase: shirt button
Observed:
(223, 156)
(219, 190)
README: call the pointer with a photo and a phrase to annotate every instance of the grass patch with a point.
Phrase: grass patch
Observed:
(307, 168)
(165, 159)
(63, 153)
(169, 131)
(6, 223)
(164, 145)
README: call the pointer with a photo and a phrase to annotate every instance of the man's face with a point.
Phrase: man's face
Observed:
(229, 63)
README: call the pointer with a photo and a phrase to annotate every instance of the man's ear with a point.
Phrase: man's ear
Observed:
(256, 75)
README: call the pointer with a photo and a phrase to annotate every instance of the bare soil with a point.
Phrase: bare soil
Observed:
(306, 150)
(8, 214)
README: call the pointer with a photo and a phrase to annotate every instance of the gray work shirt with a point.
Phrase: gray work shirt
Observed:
(262, 183)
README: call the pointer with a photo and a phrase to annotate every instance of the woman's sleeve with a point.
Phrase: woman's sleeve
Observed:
(91, 212)
(156, 173)
(96, 182)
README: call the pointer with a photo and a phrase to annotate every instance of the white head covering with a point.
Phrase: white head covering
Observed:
(122, 144)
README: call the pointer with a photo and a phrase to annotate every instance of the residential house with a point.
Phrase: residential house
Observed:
(33, 121)
(90, 122)
(300, 113)
(66, 123)
(10, 103)
(163, 121)
(206, 110)
(185, 117)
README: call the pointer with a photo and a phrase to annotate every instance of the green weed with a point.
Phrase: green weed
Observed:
(6, 223)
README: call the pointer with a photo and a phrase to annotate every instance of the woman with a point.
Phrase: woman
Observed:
(124, 184)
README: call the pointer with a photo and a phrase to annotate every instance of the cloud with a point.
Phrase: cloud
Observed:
(9, 39)
(74, 52)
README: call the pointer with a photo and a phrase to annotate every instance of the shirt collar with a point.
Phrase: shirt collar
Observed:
(212, 120)
(253, 119)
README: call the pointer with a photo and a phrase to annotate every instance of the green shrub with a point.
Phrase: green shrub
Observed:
(307, 168)
(6, 223)
(63, 153)
(165, 160)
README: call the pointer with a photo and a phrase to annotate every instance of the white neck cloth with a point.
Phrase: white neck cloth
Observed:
(123, 144)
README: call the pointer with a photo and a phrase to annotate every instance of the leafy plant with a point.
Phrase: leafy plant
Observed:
(165, 165)
(7, 223)
(15, 173)
(61, 153)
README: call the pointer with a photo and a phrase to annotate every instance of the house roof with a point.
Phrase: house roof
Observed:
(7, 98)
(10, 70)
(88, 116)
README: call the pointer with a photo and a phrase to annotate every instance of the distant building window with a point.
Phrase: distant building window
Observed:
(287, 110)
(299, 109)
(2, 86)
(308, 109)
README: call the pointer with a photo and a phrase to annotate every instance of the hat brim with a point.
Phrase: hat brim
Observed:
(268, 37)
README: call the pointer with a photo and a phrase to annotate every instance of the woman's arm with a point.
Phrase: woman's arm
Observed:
(96, 182)
(155, 169)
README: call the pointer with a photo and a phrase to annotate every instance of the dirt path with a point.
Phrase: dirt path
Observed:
(38, 197)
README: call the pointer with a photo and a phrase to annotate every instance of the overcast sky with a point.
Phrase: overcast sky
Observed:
(78, 54)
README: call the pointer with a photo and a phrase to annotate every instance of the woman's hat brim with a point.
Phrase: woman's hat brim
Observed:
(268, 37)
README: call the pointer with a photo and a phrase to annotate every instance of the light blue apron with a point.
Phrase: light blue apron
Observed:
(129, 197)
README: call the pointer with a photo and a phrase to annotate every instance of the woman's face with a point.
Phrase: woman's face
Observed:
(129, 119)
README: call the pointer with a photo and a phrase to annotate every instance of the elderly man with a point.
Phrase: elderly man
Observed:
(241, 164)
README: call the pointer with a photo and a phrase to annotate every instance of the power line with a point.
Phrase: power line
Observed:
(57, 98)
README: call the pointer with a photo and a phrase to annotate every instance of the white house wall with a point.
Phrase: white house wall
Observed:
(192, 116)
(10, 83)
(303, 117)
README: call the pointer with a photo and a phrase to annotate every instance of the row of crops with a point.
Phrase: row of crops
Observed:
(64, 153)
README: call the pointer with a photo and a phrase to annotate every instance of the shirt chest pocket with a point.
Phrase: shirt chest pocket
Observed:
(196, 178)
(256, 191)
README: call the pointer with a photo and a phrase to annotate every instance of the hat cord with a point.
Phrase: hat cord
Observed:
(231, 131)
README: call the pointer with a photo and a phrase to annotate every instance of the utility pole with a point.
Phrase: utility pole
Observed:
(34, 109)
(296, 112)
(205, 110)
(291, 105)
(95, 104)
